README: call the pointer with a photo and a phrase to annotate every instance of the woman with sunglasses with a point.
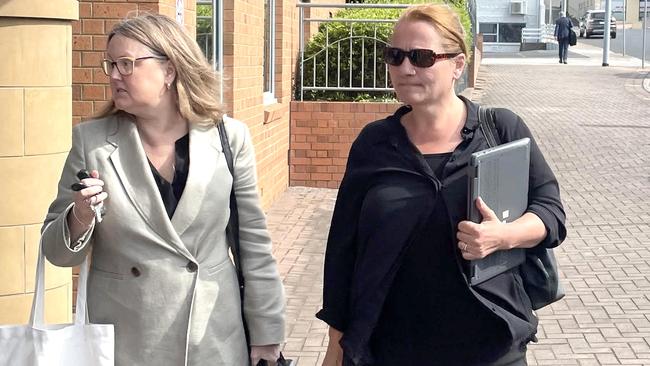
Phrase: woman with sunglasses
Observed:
(395, 288)
(161, 270)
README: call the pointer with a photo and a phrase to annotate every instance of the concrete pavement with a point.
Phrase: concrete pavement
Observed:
(593, 124)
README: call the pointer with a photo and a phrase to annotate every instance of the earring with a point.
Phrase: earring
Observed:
(169, 86)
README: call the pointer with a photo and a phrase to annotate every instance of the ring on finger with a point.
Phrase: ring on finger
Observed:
(463, 247)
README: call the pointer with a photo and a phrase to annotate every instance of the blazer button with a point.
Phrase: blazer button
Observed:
(135, 272)
(191, 267)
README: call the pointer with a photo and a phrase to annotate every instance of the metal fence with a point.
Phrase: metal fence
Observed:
(347, 55)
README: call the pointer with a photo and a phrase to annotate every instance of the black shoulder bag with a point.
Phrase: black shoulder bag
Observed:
(539, 271)
(232, 235)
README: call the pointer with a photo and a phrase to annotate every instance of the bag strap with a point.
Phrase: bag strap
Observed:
(232, 235)
(232, 230)
(488, 126)
(37, 318)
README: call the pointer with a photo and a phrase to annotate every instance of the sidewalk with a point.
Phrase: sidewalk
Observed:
(593, 125)
(579, 55)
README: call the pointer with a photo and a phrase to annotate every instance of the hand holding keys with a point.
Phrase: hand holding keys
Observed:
(78, 186)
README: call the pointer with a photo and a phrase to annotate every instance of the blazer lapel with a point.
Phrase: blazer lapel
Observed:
(132, 168)
(205, 152)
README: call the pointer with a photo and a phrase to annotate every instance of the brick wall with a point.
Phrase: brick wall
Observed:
(321, 136)
(90, 88)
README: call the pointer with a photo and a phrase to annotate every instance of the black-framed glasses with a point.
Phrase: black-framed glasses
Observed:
(125, 65)
(419, 57)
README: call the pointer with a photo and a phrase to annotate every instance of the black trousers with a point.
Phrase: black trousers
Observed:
(563, 48)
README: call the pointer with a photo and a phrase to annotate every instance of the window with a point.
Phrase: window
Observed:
(209, 28)
(501, 32)
(269, 51)
(489, 31)
(510, 32)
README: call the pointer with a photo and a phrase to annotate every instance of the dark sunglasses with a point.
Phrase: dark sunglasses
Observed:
(419, 57)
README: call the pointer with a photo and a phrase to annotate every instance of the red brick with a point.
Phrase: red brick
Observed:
(81, 42)
(322, 161)
(93, 26)
(76, 27)
(76, 92)
(321, 115)
(299, 153)
(91, 59)
(301, 176)
(93, 92)
(99, 77)
(82, 108)
(82, 76)
(114, 11)
(300, 161)
(151, 8)
(321, 176)
(111, 23)
(99, 42)
(85, 10)
(76, 58)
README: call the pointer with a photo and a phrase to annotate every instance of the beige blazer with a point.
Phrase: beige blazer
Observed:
(169, 286)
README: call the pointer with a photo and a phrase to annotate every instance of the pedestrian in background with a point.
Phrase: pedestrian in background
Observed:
(563, 29)
(161, 270)
(395, 284)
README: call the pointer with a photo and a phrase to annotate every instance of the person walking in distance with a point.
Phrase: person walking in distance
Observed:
(562, 33)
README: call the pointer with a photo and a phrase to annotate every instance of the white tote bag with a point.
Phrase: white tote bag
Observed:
(39, 344)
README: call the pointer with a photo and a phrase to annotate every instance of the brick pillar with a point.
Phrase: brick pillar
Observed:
(35, 95)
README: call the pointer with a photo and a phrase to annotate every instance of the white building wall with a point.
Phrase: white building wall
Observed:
(498, 11)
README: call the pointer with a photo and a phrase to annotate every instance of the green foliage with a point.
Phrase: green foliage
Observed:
(354, 72)
(203, 25)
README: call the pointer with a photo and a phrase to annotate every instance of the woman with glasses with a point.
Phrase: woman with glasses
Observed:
(161, 270)
(395, 284)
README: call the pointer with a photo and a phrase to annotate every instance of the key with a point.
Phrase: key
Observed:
(98, 208)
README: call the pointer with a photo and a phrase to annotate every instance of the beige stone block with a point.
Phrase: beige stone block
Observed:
(35, 52)
(15, 309)
(56, 9)
(11, 128)
(54, 276)
(48, 112)
(58, 307)
(30, 187)
(12, 260)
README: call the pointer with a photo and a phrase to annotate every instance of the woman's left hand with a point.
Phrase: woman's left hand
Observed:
(477, 241)
(270, 353)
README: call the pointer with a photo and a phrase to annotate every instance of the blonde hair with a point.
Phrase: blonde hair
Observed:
(196, 84)
(444, 19)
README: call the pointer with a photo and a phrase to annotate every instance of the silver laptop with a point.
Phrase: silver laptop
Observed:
(499, 175)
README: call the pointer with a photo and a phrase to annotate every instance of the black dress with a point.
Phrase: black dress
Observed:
(430, 316)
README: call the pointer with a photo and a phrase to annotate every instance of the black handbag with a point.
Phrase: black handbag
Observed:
(539, 271)
(573, 38)
(232, 235)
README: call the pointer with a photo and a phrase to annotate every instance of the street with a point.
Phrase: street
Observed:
(633, 42)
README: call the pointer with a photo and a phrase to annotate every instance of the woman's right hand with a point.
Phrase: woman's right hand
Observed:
(334, 353)
(82, 214)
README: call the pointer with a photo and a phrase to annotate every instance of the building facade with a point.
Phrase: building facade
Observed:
(501, 22)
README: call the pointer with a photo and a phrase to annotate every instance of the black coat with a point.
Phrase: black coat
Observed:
(366, 237)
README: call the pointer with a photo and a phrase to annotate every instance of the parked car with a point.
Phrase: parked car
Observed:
(593, 23)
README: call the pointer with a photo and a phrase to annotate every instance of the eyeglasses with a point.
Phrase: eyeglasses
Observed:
(419, 57)
(125, 65)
